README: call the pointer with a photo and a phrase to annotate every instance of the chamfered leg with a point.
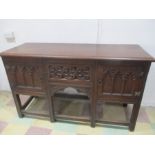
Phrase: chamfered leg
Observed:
(18, 104)
(134, 116)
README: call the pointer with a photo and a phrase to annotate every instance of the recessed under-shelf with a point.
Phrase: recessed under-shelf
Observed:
(37, 107)
(113, 113)
(78, 110)
(74, 109)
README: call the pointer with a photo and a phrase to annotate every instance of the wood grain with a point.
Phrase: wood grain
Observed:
(80, 51)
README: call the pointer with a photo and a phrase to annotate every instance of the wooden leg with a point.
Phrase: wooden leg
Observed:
(18, 104)
(93, 113)
(134, 116)
(93, 124)
(51, 109)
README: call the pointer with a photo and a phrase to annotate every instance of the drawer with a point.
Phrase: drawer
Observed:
(75, 72)
(120, 81)
(24, 73)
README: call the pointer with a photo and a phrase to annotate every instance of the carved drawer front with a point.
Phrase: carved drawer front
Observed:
(118, 80)
(70, 72)
(26, 75)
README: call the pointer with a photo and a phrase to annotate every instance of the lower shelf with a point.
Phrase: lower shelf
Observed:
(73, 109)
(79, 110)
(38, 107)
(113, 113)
(64, 108)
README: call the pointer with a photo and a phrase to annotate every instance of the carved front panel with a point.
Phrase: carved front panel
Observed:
(117, 80)
(69, 72)
(24, 75)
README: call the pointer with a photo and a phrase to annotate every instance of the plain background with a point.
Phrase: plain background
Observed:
(100, 31)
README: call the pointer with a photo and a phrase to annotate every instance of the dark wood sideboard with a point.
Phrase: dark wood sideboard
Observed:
(102, 73)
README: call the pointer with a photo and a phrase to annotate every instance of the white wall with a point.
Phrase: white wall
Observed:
(75, 31)
(83, 31)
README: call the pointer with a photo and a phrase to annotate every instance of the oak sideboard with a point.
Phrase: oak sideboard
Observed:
(95, 73)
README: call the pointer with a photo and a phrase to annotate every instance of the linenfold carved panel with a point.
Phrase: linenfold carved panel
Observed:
(24, 75)
(69, 72)
(120, 81)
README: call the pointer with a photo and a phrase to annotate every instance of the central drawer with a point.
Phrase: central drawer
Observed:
(73, 72)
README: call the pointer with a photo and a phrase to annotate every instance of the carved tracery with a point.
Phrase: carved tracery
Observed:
(23, 75)
(119, 80)
(69, 72)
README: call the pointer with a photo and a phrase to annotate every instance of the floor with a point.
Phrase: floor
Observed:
(10, 124)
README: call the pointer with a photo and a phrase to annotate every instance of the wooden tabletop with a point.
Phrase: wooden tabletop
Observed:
(80, 51)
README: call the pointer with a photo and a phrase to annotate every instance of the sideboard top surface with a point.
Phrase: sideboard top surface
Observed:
(80, 51)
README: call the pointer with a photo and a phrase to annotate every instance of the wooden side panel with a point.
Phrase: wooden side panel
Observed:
(24, 73)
